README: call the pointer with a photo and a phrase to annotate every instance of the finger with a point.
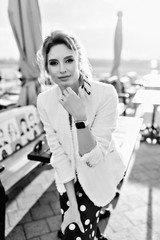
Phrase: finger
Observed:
(81, 92)
(62, 100)
(63, 227)
(70, 90)
(65, 92)
(63, 97)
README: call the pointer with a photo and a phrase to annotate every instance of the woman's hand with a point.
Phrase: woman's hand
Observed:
(73, 104)
(72, 216)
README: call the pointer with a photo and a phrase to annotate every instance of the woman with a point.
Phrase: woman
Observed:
(79, 117)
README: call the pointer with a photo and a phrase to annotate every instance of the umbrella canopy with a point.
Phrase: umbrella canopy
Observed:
(117, 45)
(24, 16)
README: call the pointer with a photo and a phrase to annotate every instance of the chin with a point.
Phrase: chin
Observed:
(66, 84)
(63, 86)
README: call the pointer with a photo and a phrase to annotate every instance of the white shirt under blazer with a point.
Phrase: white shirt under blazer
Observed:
(98, 171)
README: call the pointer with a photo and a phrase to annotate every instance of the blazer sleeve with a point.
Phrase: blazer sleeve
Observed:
(59, 160)
(103, 126)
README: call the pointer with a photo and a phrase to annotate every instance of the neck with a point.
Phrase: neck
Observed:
(75, 87)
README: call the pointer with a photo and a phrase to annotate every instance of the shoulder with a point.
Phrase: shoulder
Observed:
(48, 94)
(103, 89)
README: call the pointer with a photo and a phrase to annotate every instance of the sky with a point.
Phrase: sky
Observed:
(94, 22)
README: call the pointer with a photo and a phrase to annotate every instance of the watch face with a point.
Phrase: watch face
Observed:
(80, 125)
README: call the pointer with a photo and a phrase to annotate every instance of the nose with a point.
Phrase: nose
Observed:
(62, 68)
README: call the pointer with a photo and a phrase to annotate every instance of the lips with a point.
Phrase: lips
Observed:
(64, 77)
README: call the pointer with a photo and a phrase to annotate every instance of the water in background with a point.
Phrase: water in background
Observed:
(99, 67)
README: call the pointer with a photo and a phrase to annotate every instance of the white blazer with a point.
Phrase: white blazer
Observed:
(101, 102)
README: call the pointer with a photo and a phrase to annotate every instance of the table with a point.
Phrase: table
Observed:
(150, 134)
(5, 86)
(126, 136)
(149, 81)
(152, 84)
(152, 77)
(8, 100)
(5, 103)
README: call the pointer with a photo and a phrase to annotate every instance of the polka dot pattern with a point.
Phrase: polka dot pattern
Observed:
(62, 211)
(97, 213)
(89, 214)
(93, 233)
(72, 226)
(87, 222)
(82, 208)
(79, 194)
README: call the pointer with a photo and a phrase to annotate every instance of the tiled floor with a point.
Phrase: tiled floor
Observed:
(35, 213)
(137, 214)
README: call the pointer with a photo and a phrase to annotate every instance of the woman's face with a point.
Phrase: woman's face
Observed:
(63, 67)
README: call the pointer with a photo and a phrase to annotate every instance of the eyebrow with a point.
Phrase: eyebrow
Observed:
(54, 59)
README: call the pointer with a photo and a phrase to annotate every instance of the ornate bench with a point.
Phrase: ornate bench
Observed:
(20, 130)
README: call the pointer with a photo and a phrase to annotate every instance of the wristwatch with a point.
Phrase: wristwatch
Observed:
(81, 124)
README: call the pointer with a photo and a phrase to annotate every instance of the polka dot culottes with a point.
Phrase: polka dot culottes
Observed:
(89, 216)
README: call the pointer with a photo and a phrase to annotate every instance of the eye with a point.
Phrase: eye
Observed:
(69, 60)
(53, 63)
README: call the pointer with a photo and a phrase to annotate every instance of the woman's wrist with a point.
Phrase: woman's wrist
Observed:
(71, 194)
(80, 118)
(73, 204)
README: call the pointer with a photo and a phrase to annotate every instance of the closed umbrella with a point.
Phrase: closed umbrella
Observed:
(117, 45)
(24, 16)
